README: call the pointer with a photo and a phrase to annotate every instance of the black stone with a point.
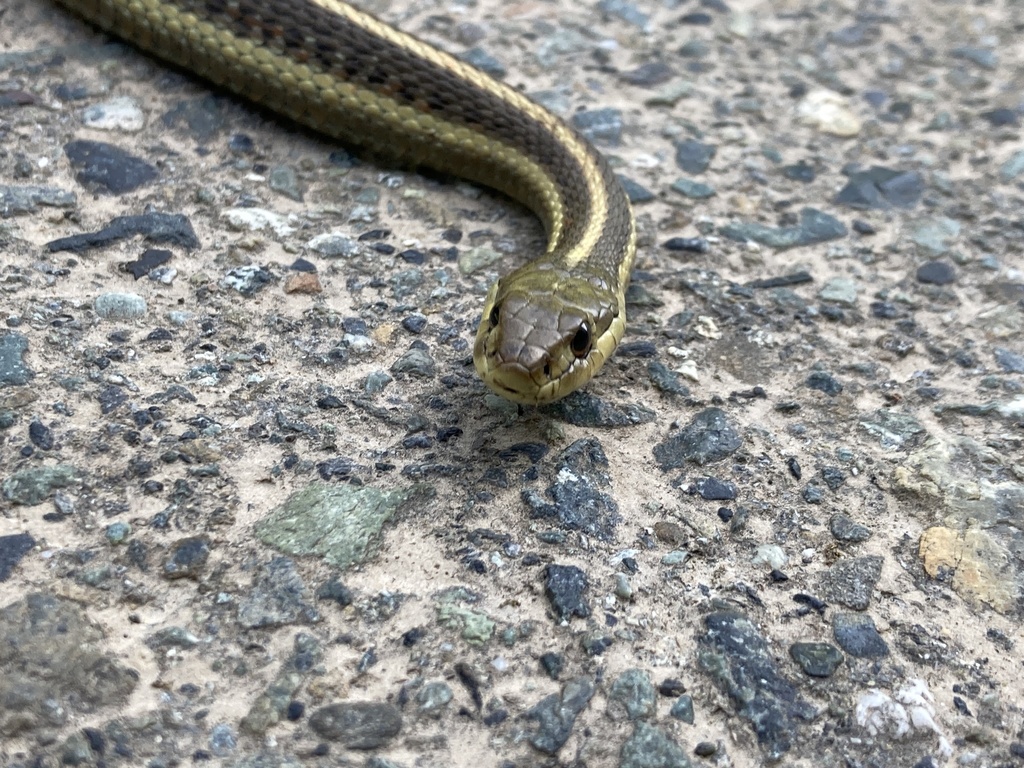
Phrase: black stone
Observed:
(167, 228)
(106, 167)
(578, 500)
(150, 259)
(647, 75)
(636, 192)
(12, 549)
(709, 437)
(824, 382)
(556, 714)
(671, 687)
(553, 664)
(689, 244)
(802, 171)
(582, 409)
(666, 380)
(713, 489)
(737, 657)
(40, 435)
(565, 587)
(187, 558)
(336, 592)
(1001, 117)
(857, 635)
(844, 528)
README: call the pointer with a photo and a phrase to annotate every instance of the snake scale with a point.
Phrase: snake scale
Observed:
(547, 326)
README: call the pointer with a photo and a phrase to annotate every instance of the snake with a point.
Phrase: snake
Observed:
(548, 325)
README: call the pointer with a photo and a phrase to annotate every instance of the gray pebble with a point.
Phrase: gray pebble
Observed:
(709, 437)
(1009, 170)
(416, 362)
(1008, 361)
(433, 698)
(601, 126)
(13, 371)
(650, 747)
(223, 740)
(816, 659)
(682, 709)
(358, 724)
(815, 227)
(483, 60)
(851, 581)
(556, 714)
(844, 528)
(694, 156)
(632, 696)
(118, 533)
(187, 558)
(283, 180)
(693, 189)
(119, 306)
(16, 200)
(278, 597)
(857, 635)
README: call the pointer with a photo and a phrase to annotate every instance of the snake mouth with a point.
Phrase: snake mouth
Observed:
(514, 383)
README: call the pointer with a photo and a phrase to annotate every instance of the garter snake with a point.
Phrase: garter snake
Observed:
(547, 326)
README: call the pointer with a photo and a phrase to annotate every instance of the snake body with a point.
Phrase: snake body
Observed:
(548, 326)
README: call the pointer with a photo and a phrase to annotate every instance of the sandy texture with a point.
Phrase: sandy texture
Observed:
(871, 395)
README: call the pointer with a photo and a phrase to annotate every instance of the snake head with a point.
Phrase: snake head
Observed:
(544, 333)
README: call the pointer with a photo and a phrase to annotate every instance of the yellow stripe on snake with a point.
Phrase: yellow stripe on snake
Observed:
(548, 326)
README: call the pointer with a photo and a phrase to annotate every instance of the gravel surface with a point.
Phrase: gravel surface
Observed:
(257, 510)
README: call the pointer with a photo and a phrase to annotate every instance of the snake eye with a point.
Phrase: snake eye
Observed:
(495, 315)
(580, 343)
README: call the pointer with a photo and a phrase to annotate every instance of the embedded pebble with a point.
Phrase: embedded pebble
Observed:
(694, 156)
(601, 126)
(358, 724)
(632, 696)
(13, 370)
(12, 549)
(15, 200)
(556, 715)
(816, 659)
(107, 167)
(119, 306)
(829, 113)
(709, 437)
(736, 656)
(936, 273)
(814, 227)
(120, 114)
(844, 528)
(857, 635)
(650, 747)
(565, 586)
(880, 187)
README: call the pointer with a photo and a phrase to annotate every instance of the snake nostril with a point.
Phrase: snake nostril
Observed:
(547, 370)
(495, 315)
